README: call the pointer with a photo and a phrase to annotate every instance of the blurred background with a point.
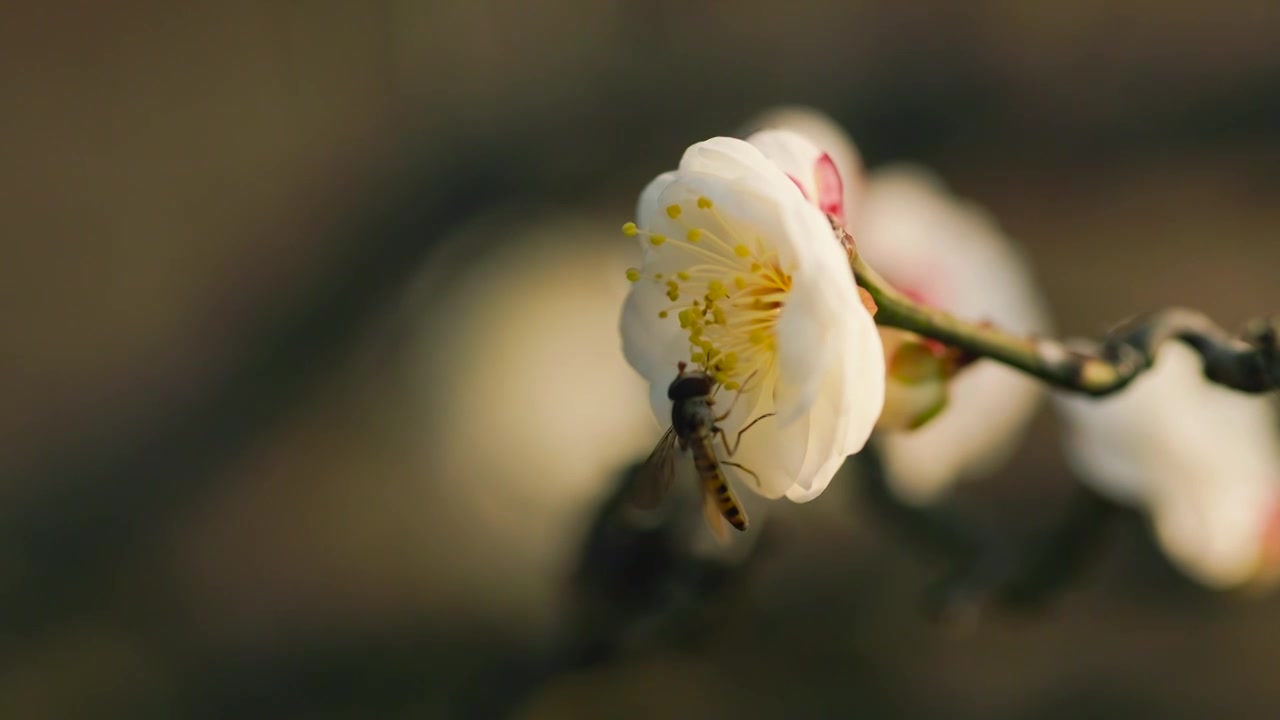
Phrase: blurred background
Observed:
(311, 381)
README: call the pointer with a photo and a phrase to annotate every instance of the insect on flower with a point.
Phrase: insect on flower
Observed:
(741, 278)
(693, 428)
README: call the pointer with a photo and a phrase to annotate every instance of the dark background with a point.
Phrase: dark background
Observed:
(244, 291)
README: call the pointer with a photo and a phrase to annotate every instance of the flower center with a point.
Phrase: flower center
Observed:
(727, 291)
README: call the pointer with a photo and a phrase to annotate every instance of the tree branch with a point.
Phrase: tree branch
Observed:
(1249, 362)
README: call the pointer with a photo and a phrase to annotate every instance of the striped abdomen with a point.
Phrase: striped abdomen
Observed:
(717, 487)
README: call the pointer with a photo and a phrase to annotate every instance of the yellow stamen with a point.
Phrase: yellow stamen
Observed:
(673, 211)
(630, 229)
(633, 274)
(704, 203)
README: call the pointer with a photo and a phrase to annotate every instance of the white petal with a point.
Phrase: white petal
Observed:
(660, 403)
(805, 351)
(823, 291)
(863, 359)
(774, 456)
(848, 405)
(651, 345)
(828, 423)
(826, 134)
(736, 160)
(649, 204)
(793, 154)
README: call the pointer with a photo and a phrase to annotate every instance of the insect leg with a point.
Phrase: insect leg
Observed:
(744, 469)
(742, 389)
(738, 440)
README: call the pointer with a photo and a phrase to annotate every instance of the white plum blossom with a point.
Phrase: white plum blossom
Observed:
(1202, 460)
(743, 278)
(950, 254)
(935, 429)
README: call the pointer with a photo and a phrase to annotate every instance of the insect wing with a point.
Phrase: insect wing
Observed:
(654, 478)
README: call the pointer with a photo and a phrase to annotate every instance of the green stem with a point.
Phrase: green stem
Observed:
(1250, 363)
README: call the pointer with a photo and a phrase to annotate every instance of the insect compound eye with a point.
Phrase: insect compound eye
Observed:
(689, 386)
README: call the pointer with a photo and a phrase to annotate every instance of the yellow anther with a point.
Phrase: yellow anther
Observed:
(630, 229)
(715, 286)
(673, 295)
(730, 360)
(740, 282)
(671, 285)
(633, 274)
(657, 239)
(712, 353)
(719, 316)
(741, 250)
(704, 202)
(699, 358)
(673, 211)
(663, 314)
(694, 235)
(721, 378)
(731, 385)
(756, 267)
(657, 276)
(684, 276)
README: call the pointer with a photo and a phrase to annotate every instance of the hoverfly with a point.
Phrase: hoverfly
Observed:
(693, 427)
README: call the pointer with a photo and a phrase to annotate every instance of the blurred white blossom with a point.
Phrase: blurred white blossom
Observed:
(935, 429)
(952, 255)
(1202, 460)
(744, 278)
(532, 412)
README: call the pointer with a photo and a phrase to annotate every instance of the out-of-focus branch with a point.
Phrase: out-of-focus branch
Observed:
(1249, 362)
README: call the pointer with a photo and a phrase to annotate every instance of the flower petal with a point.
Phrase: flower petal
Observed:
(651, 346)
(863, 358)
(827, 135)
(845, 413)
(808, 166)
(773, 452)
(736, 160)
(649, 205)
(824, 291)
